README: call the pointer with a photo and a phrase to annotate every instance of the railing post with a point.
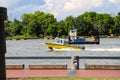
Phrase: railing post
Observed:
(74, 62)
(3, 15)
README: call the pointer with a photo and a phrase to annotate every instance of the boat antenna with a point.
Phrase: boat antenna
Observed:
(58, 34)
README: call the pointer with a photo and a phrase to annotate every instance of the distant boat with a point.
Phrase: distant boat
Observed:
(73, 39)
(59, 43)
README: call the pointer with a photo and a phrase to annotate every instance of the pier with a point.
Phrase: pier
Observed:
(74, 61)
(61, 70)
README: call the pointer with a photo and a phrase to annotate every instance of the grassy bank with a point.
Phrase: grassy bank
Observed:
(17, 37)
(33, 37)
(68, 79)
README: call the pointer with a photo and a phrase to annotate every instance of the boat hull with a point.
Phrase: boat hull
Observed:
(86, 42)
(59, 46)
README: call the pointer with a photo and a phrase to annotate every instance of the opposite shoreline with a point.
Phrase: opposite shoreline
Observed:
(54, 37)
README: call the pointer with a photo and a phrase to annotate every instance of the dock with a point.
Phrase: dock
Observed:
(16, 71)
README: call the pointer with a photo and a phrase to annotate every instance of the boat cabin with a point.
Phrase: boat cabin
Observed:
(59, 41)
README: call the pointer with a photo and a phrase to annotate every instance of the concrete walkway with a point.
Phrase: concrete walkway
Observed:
(63, 73)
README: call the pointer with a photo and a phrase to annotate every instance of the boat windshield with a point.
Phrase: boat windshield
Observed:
(59, 41)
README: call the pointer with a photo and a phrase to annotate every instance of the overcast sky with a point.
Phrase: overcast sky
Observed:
(60, 8)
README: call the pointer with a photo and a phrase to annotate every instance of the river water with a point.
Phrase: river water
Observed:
(108, 47)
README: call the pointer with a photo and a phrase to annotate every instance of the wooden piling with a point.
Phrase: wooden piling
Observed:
(74, 62)
(3, 15)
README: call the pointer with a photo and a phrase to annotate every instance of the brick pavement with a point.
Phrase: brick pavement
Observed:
(63, 73)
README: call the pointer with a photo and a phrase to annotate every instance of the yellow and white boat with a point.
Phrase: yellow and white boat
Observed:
(61, 44)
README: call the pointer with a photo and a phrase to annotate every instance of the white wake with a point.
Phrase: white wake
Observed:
(105, 49)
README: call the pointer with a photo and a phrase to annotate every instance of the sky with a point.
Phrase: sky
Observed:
(59, 8)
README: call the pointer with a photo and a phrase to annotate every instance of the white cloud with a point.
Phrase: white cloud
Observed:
(81, 4)
(116, 2)
(63, 8)
(113, 1)
(116, 5)
(69, 6)
(8, 3)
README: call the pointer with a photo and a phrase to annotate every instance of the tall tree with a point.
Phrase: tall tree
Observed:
(26, 21)
(62, 29)
(104, 23)
(47, 19)
(84, 27)
(116, 26)
(69, 23)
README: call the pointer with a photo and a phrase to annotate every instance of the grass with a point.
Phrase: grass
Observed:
(68, 79)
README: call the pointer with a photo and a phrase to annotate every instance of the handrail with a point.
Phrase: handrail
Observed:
(63, 57)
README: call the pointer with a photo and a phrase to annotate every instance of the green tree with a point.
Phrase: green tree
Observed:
(104, 23)
(91, 22)
(89, 16)
(69, 23)
(47, 19)
(26, 21)
(10, 28)
(52, 30)
(118, 13)
(84, 27)
(40, 24)
(101, 22)
(116, 26)
(37, 24)
(17, 27)
(8, 31)
(62, 29)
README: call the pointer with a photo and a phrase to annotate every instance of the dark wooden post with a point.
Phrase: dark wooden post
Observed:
(3, 15)
(74, 62)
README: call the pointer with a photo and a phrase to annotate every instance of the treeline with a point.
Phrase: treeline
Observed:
(40, 24)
